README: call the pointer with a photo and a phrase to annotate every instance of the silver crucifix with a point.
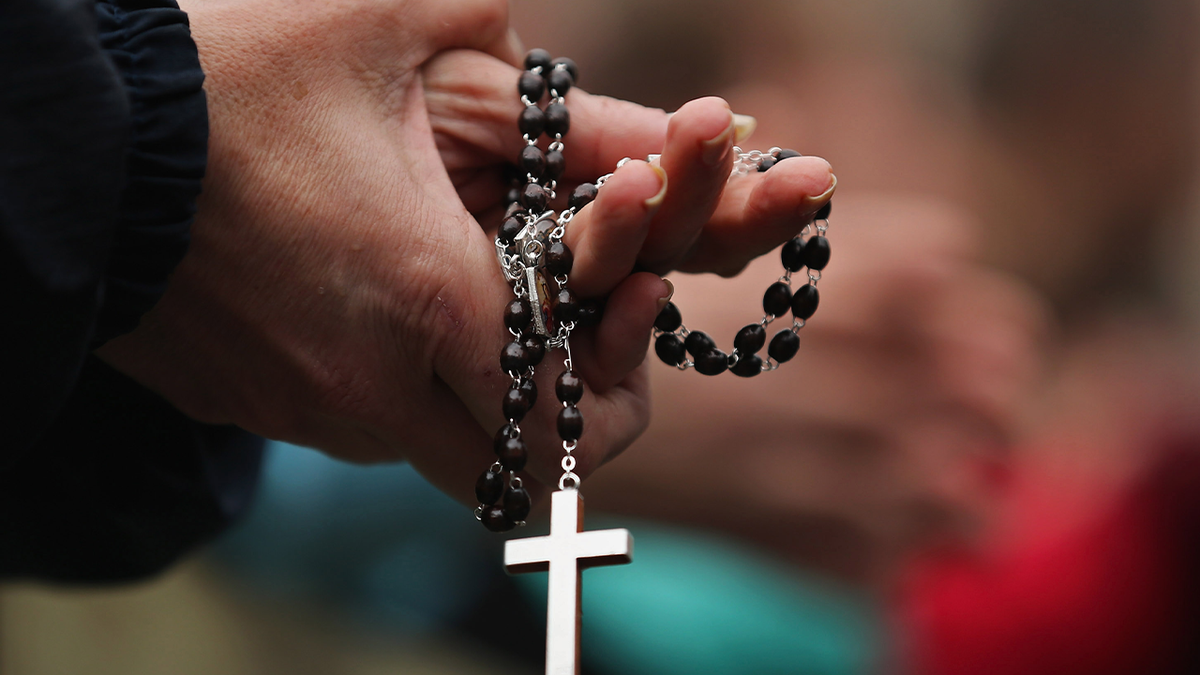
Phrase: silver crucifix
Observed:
(565, 553)
(533, 241)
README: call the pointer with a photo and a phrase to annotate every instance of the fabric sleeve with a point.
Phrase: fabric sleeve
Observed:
(104, 130)
(64, 128)
(150, 44)
(104, 127)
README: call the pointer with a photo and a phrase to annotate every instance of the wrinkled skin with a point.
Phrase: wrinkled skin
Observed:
(341, 293)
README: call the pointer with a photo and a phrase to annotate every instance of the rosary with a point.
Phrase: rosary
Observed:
(543, 313)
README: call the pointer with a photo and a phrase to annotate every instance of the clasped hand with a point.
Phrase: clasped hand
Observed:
(342, 291)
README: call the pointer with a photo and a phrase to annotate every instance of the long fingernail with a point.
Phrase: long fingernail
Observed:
(717, 148)
(745, 127)
(516, 45)
(826, 195)
(657, 200)
(813, 203)
(662, 302)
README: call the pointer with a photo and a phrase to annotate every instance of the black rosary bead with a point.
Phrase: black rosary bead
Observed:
(570, 423)
(765, 163)
(697, 343)
(670, 349)
(531, 86)
(509, 229)
(805, 301)
(516, 403)
(555, 165)
(489, 487)
(506, 432)
(560, 82)
(712, 362)
(518, 314)
(559, 259)
(516, 504)
(494, 520)
(513, 196)
(569, 387)
(534, 198)
(514, 357)
(816, 253)
(515, 210)
(784, 346)
(532, 161)
(530, 388)
(535, 345)
(569, 65)
(538, 58)
(792, 255)
(669, 319)
(532, 122)
(750, 339)
(513, 454)
(583, 195)
(590, 313)
(558, 120)
(778, 299)
(566, 306)
(823, 213)
(787, 154)
(748, 365)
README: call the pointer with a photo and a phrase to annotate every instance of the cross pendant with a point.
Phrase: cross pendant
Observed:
(566, 552)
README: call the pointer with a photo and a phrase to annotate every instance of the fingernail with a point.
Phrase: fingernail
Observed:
(657, 200)
(662, 302)
(813, 203)
(745, 127)
(717, 148)
(516, 45)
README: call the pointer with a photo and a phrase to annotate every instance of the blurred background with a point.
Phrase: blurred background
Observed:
(983, 460)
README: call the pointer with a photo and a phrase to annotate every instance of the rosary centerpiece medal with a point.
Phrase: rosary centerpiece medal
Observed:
(543, 313)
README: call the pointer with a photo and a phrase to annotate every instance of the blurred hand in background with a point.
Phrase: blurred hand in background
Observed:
(913, 377)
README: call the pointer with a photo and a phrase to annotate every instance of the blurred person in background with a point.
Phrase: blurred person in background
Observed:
(1089, 111)
(1068, 132)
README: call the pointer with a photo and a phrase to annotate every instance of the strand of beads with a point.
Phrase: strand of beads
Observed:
(569, 390)
(537, 262)
(673, 342)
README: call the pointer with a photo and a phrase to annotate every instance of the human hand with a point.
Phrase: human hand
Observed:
(704, 223)
(913, 376)
(339, 294)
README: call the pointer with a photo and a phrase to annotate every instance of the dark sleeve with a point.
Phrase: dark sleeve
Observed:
(64, 128)
(104, 130)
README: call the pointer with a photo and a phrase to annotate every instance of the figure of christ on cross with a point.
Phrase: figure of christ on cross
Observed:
(565, 553)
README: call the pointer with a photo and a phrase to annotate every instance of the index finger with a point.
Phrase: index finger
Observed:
(472, 98)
